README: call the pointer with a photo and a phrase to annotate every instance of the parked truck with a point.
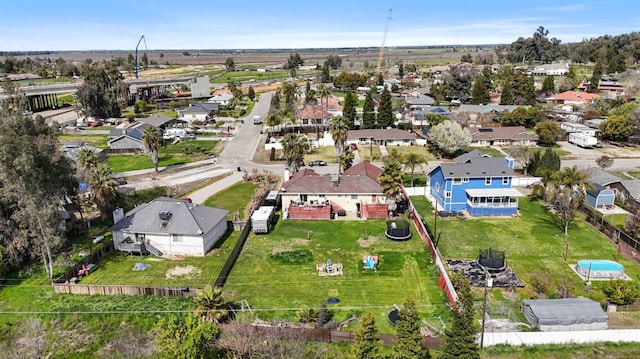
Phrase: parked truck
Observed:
(582, 140)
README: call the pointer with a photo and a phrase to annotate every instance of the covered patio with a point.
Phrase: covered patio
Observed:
(492, 201)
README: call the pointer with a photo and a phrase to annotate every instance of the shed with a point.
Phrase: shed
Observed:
(567, 314)
(262, 219)
(600, 197)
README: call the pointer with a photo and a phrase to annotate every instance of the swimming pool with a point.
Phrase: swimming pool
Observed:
(600, 269)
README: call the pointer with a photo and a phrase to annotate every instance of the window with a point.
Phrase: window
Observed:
(438, 187)
(139, 237)
(447, 194)
(487, 181)
(465, 180)
(505, 180)
(354, 196)
(457, 180)
(177, 238)
(303, 197)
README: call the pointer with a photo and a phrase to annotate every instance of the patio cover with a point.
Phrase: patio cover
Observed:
(493, 192)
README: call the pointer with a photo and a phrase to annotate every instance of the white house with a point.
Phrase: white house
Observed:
(222, 99)
(571, 127)
(168, 226)
(551, 70)
(198, 111)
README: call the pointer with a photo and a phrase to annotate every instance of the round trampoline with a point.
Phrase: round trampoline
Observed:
(398, 230)
(491, 260)
(393, 316)
(600, 269)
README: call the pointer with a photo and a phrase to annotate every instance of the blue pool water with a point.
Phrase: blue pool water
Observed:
(600, 265)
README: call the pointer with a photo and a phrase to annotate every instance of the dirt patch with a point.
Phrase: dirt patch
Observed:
(182, 272)
(299, 241)
(368, 242)
(624, 320)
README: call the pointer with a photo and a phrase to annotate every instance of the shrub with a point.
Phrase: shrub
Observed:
(300, 256)
(622, 292)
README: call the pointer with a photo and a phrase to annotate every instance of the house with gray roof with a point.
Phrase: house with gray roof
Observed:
(627, 190)
(160, 121)
(384, 137)
(168, 226)
(502, 136)
(482, 109)
(477, 184)
(356, 193)
(198, 111)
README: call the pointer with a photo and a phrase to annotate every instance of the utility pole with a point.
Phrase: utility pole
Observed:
(488, 283)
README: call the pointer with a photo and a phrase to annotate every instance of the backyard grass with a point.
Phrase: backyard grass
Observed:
(117, 268)
(95, 140)
(532, 242)
(617, 219)
(276, 273)
(183, 152)
(235, 198)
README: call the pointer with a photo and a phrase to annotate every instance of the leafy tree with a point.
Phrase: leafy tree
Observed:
(211, 305)
(525, 156)
(368, 343)
(622, 292)
(616, 129)
(435, 120)
(104, 188)
(293, 61)
(140, 106)
(548, 84)
(152, 142)
(351, 81)
(325, 77)
(385, 109)
(449, 137)
(102, 91)
(34, 179)
(349, 109)
(368, 112)
(545, 163)
(251, 93)
(379, 80)
(565, 203)
(632, 224)
(459, 81)
(334, 61)
(594, 82)
(549, 133)
(230, 64)
(521, 116)
(186, 338)
(294, 148)
(412, 161)
(408, 344)
(275, 102)
(339, 128)
(460, 335)
(604, 161)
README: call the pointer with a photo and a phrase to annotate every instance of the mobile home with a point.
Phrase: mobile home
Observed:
(262, 219)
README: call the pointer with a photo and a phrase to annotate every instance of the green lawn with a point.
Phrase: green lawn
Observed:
(117, 268)
(235, 198)
(183, 152)
(95, 140)
(278, 288)
(532, 243)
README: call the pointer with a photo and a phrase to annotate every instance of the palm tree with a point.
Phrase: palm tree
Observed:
(413, 161)
(323, 93)
(390, 180)
(294, 148)
(104, 188)
(152, 143)
(273, 120)
(85, 159)
(211, 304)
(339, 127)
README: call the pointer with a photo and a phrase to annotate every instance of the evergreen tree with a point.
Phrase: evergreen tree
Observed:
(385, 109)
(251, 93)
(186, 338)
(460, 341)
(506, 97)
(549, 84)
(326, 74)
(595, 77)
(408, 344)
(401, 71)
(367, 338)
(349, 109)
(368, 112)
(480, 91)
(275, 102)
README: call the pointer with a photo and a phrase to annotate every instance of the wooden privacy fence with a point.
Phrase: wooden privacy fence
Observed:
(596, 218)
(91, 289)
(94, 258)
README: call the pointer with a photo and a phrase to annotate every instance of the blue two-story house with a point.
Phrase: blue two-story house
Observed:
(476, 183)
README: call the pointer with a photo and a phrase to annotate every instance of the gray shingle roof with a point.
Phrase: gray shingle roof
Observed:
(466, 156)
(381, 134)
(186, 218)
(633, 187)
(601, 177)
(478, 167)
(488, 108)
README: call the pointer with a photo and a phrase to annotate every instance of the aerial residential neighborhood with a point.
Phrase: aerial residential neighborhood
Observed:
(264, 196)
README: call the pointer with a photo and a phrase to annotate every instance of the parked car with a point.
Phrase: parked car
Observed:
(598, 145)
(317, 163)
(95, 124)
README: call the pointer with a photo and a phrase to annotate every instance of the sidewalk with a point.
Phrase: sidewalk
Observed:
(201, 195)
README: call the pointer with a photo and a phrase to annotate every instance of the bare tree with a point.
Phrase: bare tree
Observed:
(565, 203)
(524, 155)
(29, 341)
(244, 341)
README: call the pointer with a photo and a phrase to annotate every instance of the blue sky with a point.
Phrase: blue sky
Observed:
(237, 24)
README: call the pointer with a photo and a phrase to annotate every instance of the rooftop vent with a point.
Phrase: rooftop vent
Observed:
(335, 179)
(164, 215)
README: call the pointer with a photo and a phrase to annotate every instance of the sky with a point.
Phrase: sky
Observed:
(39, 25)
